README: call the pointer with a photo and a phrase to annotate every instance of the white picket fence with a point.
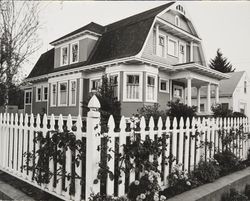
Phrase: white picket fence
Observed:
(17, 134)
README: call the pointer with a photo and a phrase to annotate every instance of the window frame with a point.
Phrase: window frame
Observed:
(185, 52)
(125, 99)
(51, 95)
(61, 57)
(70, 92)
(59, 94)
(177, 49)
(155, 87)
(167, 85)
(158, 46)
(25, 96)
(177, 18)
(91, 84)
(71, 52)
(245, 87)
(41, 97)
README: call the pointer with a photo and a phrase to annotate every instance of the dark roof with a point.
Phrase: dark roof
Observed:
(44, 65)
(97, 28)
(120, 39)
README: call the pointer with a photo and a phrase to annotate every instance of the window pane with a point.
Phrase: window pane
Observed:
(45, 93)
(151, 88)
(73, 92)
(53, 94)
(163, 85)
(74, 52)
(65, 55)
(133, 86)
(172, 47)
(63, 93)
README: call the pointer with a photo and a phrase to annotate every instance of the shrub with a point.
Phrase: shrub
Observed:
(99, 197)
(228, 162)
(234, 196)
(207, 171)
(219, 111)
(152, 110)
(178, 110)
(247, 191)
(146, 188)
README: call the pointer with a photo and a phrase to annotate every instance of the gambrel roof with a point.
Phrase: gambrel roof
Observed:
(121, 39)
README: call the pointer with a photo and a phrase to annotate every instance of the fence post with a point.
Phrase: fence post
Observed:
(92, 141)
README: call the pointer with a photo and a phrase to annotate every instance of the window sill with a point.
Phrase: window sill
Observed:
(173, 55)
(165, 92)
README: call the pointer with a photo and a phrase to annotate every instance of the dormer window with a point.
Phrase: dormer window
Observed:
(74, 52)
(177, 21)
(64, 57)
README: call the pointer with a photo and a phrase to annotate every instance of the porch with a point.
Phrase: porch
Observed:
(194, 77)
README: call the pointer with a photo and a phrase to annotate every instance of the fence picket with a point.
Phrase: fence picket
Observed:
(181, 138)
(167, 152)
(59, 167)
(20, 150)
(174, 142)
(111, 162)
(198, 142)
(2, 140)
(187, 144)
(159, 136)
(51, 162)
(31, 145)
(15, 121)
(122, 141)
(192, 140)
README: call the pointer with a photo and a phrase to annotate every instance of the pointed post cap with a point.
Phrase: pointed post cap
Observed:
(94, 103)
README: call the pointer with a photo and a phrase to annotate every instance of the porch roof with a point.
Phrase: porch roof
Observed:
(203, 70)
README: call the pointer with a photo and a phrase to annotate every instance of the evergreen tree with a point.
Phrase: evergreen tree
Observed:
(221, 64)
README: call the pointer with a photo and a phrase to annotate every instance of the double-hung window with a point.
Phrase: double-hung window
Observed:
(38, 93)
(45, 93)
(74, 52)
(53, 94)
(64, 57)
(172, 47)
(178, 91)
(133, 87)
(63, 93)
(72, 92)
(28, 97)
(162, 46)
(164, 86)
(151, 86)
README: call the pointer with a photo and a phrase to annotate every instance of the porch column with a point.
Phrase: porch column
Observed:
(198, 99)
(157, 38)
(191, 51)
(217, 94)
(208, 97)
(189, 91)
(170, 90)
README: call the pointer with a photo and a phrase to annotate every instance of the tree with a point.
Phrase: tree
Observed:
(221, 64)
(19, 24)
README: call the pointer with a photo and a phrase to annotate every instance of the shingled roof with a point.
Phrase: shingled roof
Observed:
(120, 39)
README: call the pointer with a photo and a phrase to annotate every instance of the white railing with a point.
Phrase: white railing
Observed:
(17, 134)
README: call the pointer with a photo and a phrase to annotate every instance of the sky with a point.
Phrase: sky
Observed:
(220, 24)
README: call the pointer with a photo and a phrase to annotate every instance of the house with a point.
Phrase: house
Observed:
(151, 58)
(234, 94)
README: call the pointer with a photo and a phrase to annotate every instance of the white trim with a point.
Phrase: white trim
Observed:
(177, 49)
(79, 36)
(59, 94)
(70, 92)
(41, 96)
(71, 52)
(65, 77)
(51, 94)
(167, 85)
(125, 99)
(61, 55)
(155, 87)
(80, 96)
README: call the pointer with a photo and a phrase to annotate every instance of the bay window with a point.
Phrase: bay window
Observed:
(133, 87)
(74, 52)
(53, 94)
(72, 92)
(63, 93)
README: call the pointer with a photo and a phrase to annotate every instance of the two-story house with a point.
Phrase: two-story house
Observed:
(152, 57)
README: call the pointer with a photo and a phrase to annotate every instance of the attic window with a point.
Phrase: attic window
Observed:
(180, 9)
(177, 21)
